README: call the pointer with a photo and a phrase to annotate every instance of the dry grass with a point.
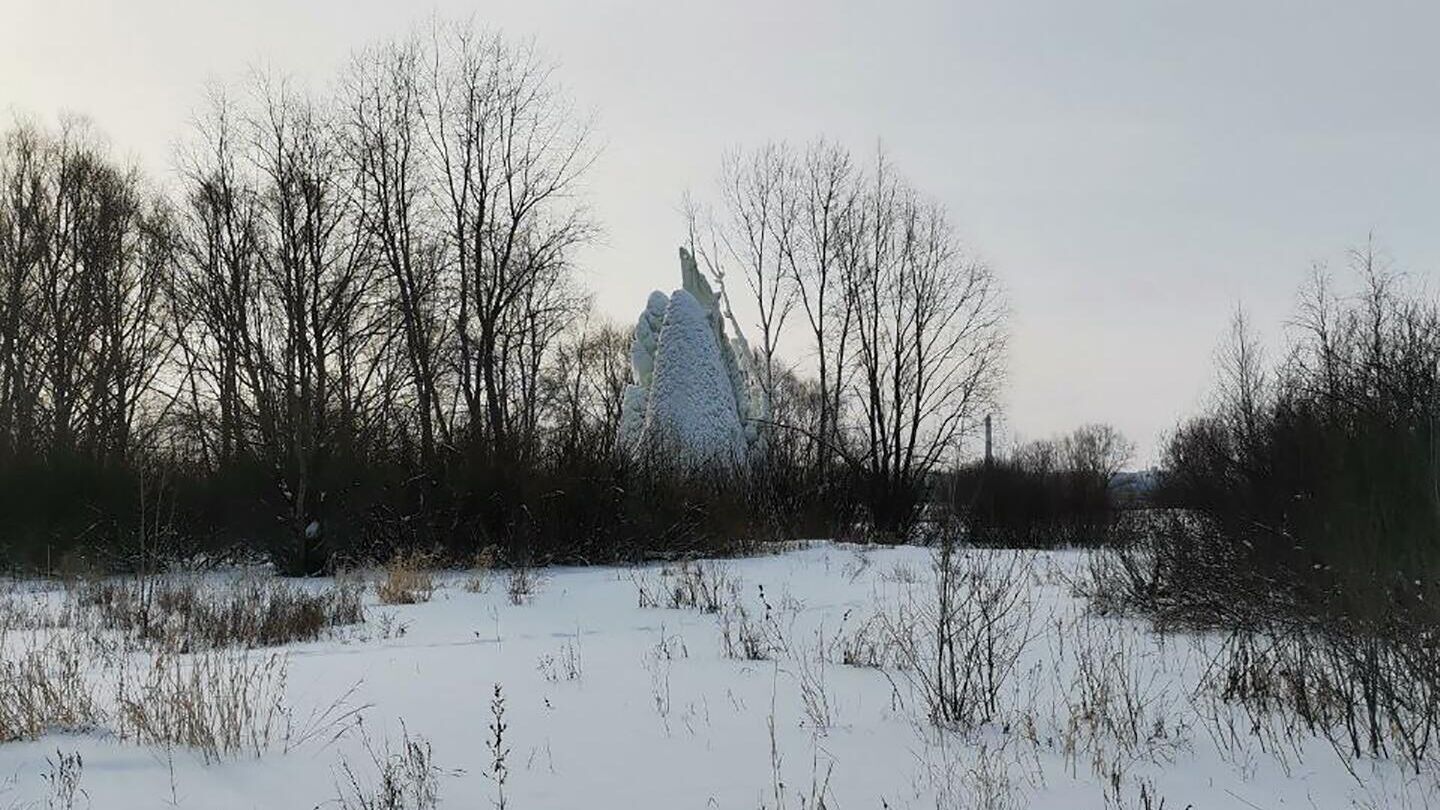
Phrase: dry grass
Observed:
(745, 638)
(186, 614)
(407, 580)
(44, 688)
(62, 775)
(481, 573)
(153, 661)
(219, 704)
(864, 643)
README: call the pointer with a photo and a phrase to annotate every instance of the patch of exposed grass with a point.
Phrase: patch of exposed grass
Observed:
(185, 615)
(44, 688)
(407, 580)
(217, 703)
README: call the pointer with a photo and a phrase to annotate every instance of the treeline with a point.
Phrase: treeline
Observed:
(340, 296)
(355, 325)
(1311, 488)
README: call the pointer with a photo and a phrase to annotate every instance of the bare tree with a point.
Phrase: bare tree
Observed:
(284, 334)
(510, 153)
(1242, 376)
(816, 199)
(386, 146)
(315, 280)
(929, 342)
(25, 216)
(748, 233)
(586, 383)
(1098, 451)
(85, 253)
(215, 297)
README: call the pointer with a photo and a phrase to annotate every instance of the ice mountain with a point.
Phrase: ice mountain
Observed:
(694, 398)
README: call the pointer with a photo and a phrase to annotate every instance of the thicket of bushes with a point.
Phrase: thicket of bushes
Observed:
(1314, 481)
(1046, 493)
(590, 508)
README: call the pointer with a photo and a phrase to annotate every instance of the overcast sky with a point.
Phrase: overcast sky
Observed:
(1131, 170)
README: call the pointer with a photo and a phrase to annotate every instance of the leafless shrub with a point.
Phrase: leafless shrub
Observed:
(407, 580)
(647, 589)
(670, 647)
(522, 584)
(745, 637)
(1366, 690)
(1115, 581)
(959, 644)
(406, 779)
(864, 643)
(706, 587)
(390, 626)
(62, 776)
(1152, 571)
(1116, 706)
(561, 666)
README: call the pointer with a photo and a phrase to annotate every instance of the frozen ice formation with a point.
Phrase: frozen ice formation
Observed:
(695, 397)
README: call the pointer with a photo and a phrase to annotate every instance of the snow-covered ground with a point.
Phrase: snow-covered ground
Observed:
(609, 704)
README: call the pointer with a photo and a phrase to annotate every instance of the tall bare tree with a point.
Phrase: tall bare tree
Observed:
(215, 298)
(510, 153)
(817, 199)
(929, 342)
(86, 251)
(750, 230)
(316, 277)
(387, 147)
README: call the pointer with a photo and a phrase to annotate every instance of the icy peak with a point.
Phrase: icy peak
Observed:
(693, 397)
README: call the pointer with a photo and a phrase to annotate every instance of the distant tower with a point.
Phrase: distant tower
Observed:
(988, 442)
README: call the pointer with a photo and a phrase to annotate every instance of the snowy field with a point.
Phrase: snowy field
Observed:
(793, 680)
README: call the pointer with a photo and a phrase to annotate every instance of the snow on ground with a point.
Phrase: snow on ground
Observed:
(613, 705)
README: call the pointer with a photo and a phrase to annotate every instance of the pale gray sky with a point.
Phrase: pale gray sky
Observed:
(1131, 169)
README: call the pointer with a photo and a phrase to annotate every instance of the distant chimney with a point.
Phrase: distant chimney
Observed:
(988, 441)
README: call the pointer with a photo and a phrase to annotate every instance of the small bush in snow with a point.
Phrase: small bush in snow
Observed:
(405, 779)
(959, 643)
(523, 584)
(700, 586)
(62, 776)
